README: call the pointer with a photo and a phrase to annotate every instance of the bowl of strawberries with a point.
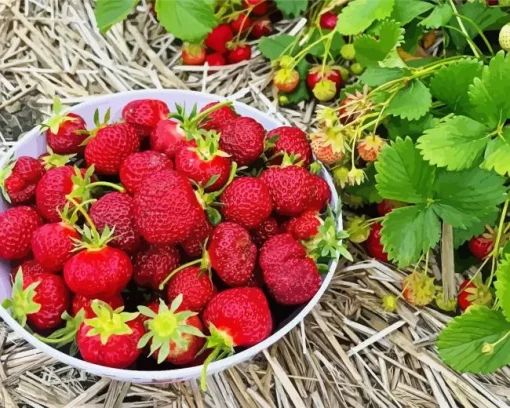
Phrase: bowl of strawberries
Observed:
(162, 235)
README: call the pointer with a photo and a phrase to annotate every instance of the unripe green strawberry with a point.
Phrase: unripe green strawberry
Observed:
(348, 52)
(358, 229)
(324, 90)
(340, 176)
(504, 36)
(389, 303)
(357, 68)
(418, 288)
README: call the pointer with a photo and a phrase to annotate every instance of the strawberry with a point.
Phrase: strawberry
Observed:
(474, 292)
(52, 245)
(260, 7)
(290, 140)
(354, 106)
(232, 253)
(482, 245)
(219, 37)
(320, 193)
(240, 52)
(138, 166)
(387, 206)
(265, 231)
(115, 210)
(195, 287)
(374, 246)
(256, 280)
(238, 317)
(19, 179)
(215, 59)
(39, 298)
(389, 303)
(167, 137)
(144, 115)
(173, 336)
(217, 119)
(370, 147)
(111, 338)
(358, 228)
(153, 265)
(279, 249)
(290, 188)
(83, 302)
(348, 51)
(328, 20)
(98, 270)
(418, 288)
(109, 146)
(304, 226)
(194, 244)
(65, 132)
(262, 28)
(243, 139)
(166, 209)
(247, 202)
(193, 54)
(30, 267)
(504, 37)
(286, 79)
(203, 162)
(328, 145)
(17, 226)
(319, 73)
(241, 23)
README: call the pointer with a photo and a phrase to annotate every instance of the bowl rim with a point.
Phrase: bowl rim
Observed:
(177, 374)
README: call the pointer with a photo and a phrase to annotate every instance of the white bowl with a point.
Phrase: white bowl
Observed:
(34, 144)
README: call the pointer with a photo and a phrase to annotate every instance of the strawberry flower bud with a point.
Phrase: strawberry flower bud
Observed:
(355, 176)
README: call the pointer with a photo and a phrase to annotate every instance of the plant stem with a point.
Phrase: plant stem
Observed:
(205, 113)
(83, 212)
(480, 32)
(120, 189)
(495, 254)
(461, 24)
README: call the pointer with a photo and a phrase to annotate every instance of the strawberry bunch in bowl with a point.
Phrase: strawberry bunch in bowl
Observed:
(178, 237)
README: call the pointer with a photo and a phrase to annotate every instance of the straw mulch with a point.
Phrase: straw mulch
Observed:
(348, 352)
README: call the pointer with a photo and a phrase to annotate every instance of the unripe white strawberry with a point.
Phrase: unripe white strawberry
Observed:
(504, 37)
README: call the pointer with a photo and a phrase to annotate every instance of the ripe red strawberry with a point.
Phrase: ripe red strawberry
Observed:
(232, 253)
(39, 299)
(328, 20)
(109, 147)
(17, 226)
(317, 74)
(241, 23)
(115, 210)
(387, 206)
(289, 140)
(243, 139)
(194, 244)
(219, 37)
(193, 54)
(65, 131)
(30, 267)
(418, 288)
(111, 338)
(290, 187)
(167, 137)
(238, 317)
(260, 7)
(152, 266)
(261, 28)
(304, 226)
(265, 231)
(85, 303)
(52, 245)
(218, 118)
(215, 59)
(173, 336)
(138, 166)
(370, 147)
(374, 246)
(19, 179)
(320, 193)
(279, 249)
(256, 280)
(247, 202)
(98, 270)
(202, 160)
(194, 285)
(286, 79)
(166, 209)
(144, 115)
(239, 53)
(474, 292)
(481, 246)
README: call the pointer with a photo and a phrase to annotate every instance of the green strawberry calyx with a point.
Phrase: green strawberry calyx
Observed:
(108, 322)
(53, 160)
(66, 334)
(5, 173)
(166, 327)
(53, 123)
(99, 125)
(91, 239)
(207, 147)
(22, 302)
(191, 121)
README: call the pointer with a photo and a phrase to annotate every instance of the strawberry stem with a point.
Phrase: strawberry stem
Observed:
(204, 114)
(175, 271)
(79, 207)
(120, 189)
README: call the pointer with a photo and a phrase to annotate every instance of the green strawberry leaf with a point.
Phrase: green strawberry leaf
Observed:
(451, 83)
(371, 50)
(439, 17)
(502, 285)
(457, 143)
(402, 174)
(274, 47)
(375, 76)
(412, 36)
(398, 127)
(461, 235)
(110, 12)
(188, 20)
(408, 232)
(358, 15)
(411, 102)
(489, 94)
(406, 10)
(291, 8)
(498, 153)
(460, 344)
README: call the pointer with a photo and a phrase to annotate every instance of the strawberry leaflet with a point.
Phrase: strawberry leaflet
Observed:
(502, 285)
(358, 15)
(439, 17)
(407, 10)
(110, 12)
(291, 8)
(411, 102)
